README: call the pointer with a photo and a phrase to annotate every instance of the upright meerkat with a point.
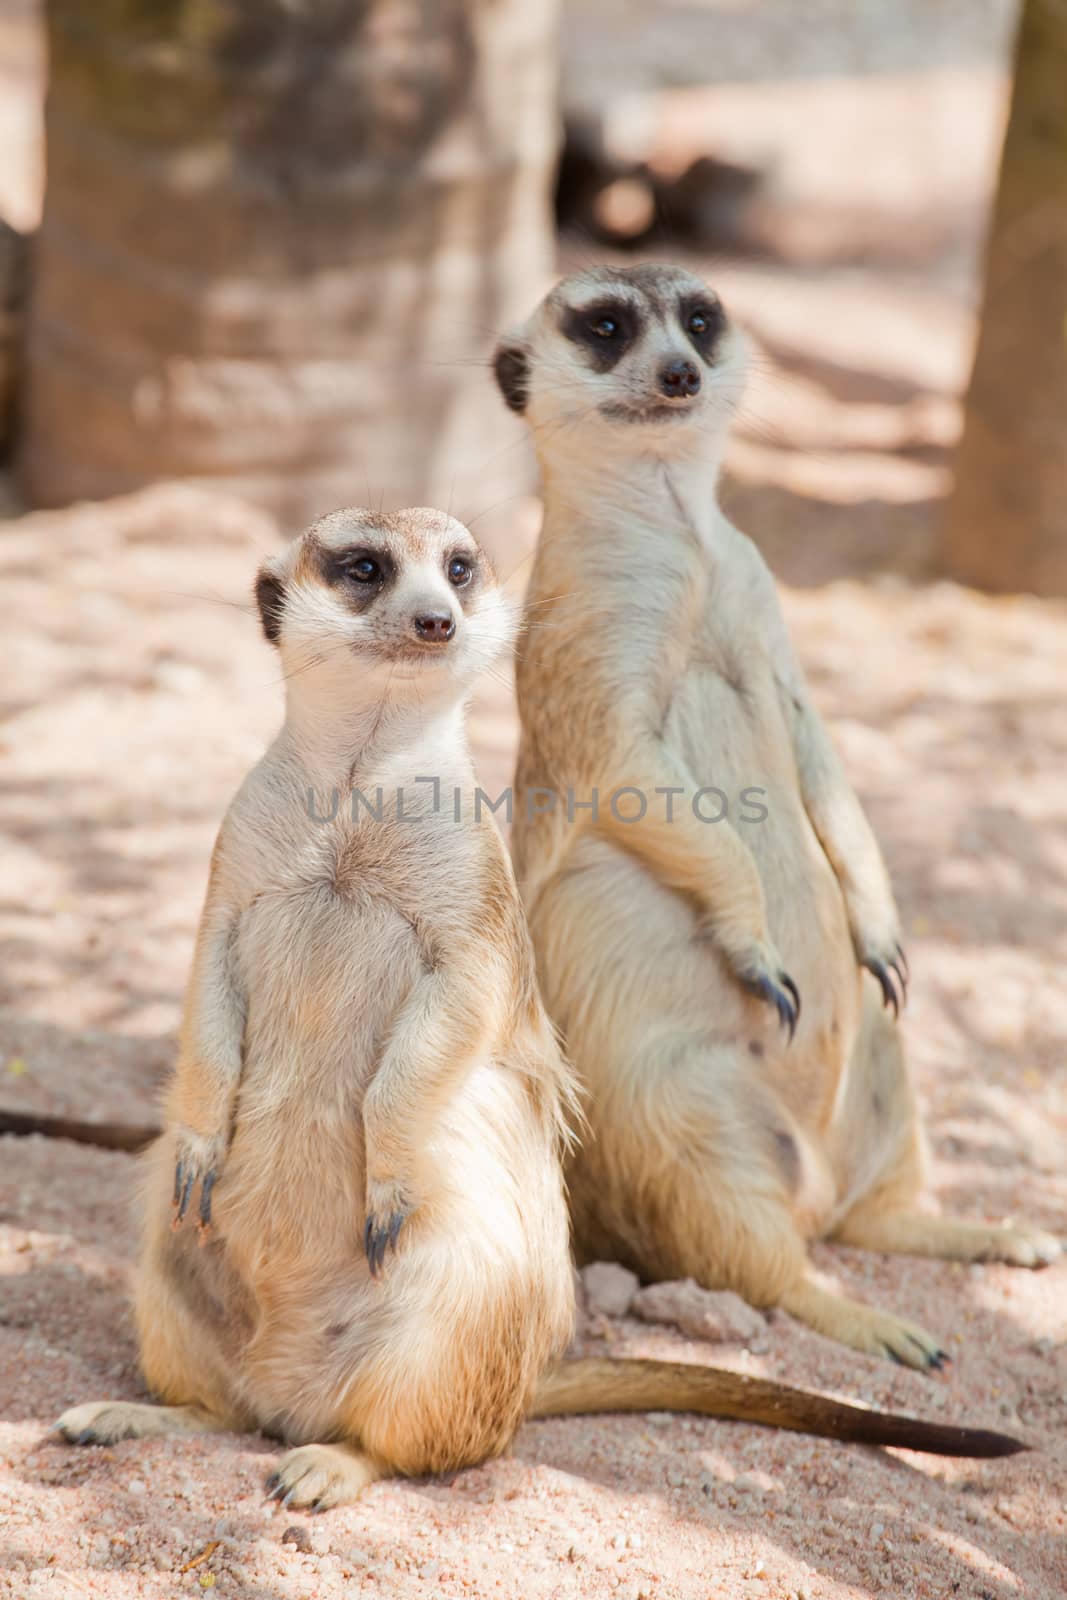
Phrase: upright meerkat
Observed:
(369, 1102)
(672, 947)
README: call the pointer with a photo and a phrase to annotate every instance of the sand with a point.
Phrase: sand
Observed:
(135, 692)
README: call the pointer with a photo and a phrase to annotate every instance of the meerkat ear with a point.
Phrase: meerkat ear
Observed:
(511, 368)
(270, 598)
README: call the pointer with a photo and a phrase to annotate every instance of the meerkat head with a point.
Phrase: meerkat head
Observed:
(372, 603)
(643, 356)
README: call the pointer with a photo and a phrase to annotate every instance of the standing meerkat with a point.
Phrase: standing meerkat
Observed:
(674, 949)
(369, 1103)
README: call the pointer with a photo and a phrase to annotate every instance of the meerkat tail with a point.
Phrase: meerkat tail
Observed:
(105, 1135)
(582, 1386)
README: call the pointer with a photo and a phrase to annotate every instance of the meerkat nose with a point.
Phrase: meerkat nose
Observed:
(679, 380)
(435, 627)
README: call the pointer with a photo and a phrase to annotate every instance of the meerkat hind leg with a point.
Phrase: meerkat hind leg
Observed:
(323, 1475)
(951, 1238)
(876, 1333)
(107, 1421)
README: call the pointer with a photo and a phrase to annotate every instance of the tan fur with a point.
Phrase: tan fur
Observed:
(362, 1040)
(655, 653)
(368, 1072)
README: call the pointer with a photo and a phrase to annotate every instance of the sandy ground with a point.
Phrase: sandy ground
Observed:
(134, 693)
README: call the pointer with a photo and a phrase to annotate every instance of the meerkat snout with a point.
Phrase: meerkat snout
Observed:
(434, 627)
(411, 592)
(679, 380)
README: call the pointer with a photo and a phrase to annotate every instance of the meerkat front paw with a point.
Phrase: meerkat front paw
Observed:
(198, 1158)
(875, 930)
(887, 961)
(761, 973)
(758, 968)
(388, 1208)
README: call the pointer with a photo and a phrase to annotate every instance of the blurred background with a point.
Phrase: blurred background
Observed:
(252, 262)
(269, 247)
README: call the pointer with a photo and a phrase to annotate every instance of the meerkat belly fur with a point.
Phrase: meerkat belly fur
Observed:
(355, 1231)
(674, 954)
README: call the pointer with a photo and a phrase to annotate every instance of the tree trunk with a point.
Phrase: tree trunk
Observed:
(1006, 527)
(277, 241)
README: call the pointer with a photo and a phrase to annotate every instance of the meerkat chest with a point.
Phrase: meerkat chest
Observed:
(725, 705)
(330, 948)
(324, 976)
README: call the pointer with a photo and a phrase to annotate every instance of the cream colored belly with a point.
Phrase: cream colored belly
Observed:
(489, 1227)
(289, 1207)
(737, 742)
(624, 972)
(325, 975)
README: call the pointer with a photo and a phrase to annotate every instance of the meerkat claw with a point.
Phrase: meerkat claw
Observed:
(899, 965)
(889, 994)
(783, 996)
(379, 1238)
(183, 1188)
(210, 1179)
(277, 1489)
(787, 983)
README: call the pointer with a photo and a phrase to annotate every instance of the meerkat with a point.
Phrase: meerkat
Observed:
(355, 1229)
(729, 1125)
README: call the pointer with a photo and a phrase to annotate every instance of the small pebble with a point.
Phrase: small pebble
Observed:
(609, 1288)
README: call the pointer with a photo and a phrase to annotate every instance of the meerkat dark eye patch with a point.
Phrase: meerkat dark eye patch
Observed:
(511, 368)
(703, 322)
(359, 571)
(604, 331)
(270, 598)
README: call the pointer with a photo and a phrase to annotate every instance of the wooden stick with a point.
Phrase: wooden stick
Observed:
(105, 1135)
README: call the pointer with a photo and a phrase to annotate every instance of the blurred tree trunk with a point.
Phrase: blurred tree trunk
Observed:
(277, 240)
(1007, 521)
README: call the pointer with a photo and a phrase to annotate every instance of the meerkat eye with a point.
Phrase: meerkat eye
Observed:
(364, 569)
(460, 571)
(698, 322)
(605, 327)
